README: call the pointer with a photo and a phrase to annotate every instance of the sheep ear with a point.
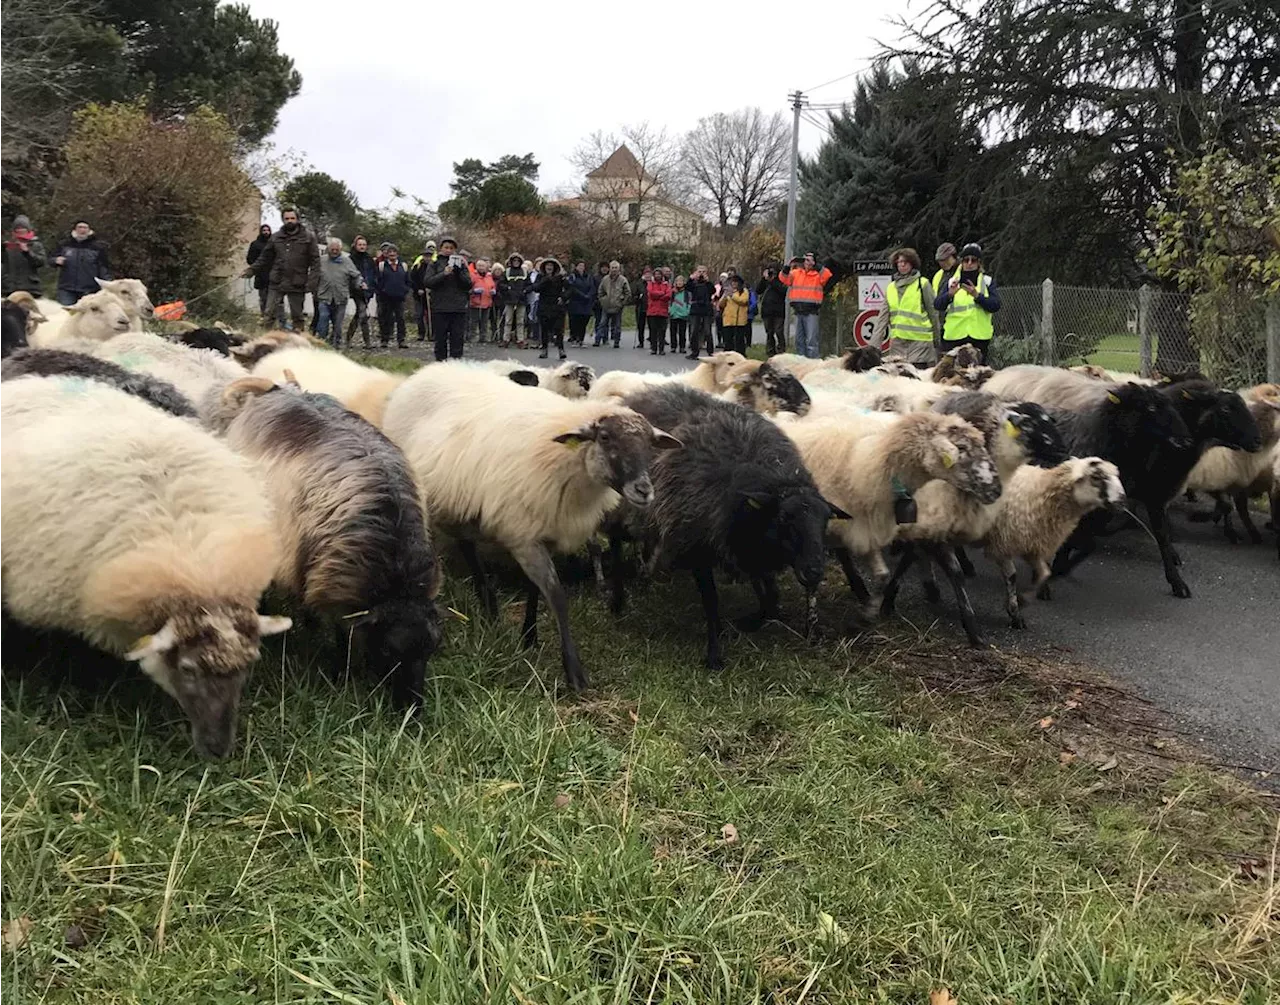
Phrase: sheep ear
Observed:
(664, 440)
(760, 500)
(103, 284)
(270, 624)
(152, 645)
(947, 452)
(577, 437)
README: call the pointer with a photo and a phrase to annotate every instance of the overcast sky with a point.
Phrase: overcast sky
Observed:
(393, 95)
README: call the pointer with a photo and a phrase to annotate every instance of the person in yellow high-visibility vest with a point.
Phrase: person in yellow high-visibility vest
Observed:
(907, 316)
(967, 303)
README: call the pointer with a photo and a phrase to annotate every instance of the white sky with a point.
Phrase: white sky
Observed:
(393, 95)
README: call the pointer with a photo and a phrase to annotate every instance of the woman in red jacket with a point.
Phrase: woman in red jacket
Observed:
(656, 312)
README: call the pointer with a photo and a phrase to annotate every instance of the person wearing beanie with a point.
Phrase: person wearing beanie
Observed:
(23, 258)
(947, 261)
(967, 301)
(81, 261)
(448, 283)
(514, 289)
(553, 297)
(907, 316)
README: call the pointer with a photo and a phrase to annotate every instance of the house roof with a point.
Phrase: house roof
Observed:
(621, 163)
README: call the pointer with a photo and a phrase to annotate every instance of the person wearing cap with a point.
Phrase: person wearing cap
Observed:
(947, 261)
(612, 294)
(421, 309)
(448, 282)
(907, 315)
(82, 261)
(23, 257)
(806, 286)
(967, 302)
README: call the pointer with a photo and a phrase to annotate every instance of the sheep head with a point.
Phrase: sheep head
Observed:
(617, 450)
(1095, 483)
(573, 380)
(790, 527)
(1219, 418)
(723, 366)
(768, 390)
(133, 293)
(1036, 433)
(201, 656)
(955, 452)
(99, 316)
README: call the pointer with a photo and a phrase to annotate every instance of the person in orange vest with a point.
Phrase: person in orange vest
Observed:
(805, 284)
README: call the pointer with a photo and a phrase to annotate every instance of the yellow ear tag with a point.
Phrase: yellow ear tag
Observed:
(573, 444)
(1113, 398)
(753, 504)
(1010, 430)
(1187, 395)
(142, 643)
(948, 461)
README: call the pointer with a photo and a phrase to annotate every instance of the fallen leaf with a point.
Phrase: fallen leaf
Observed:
(829, 928)
(941, 996)
(394, 998)
(14, 933)
(74, 937)
(632, 712)
(729, 833)
(1071, 703)
(1046, 722)
(1108, 764)
(1066, 757)
(1157, 744)
(562, 800)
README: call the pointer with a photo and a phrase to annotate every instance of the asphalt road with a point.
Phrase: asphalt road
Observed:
(1211, 662)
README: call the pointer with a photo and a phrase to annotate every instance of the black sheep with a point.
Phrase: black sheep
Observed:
(14, 318)
(1155, 436)
(737, 496)
(206, 338)
(60, 363)
(866, 357)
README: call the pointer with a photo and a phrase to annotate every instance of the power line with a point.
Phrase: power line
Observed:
(836, 81)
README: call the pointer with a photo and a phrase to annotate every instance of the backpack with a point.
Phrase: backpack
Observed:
(751, 305)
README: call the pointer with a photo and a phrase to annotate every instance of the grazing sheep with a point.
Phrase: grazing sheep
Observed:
(569, 379)
(93, 318)
(133, 294)
(60, 363)
(736, 496)
(143, 534)
(199, 374)
(353, 538)
(1154, 436)
(767, 390)
(1038, 511)
(523, 467)
(1236, 475)
(872, 477)
(363, 389)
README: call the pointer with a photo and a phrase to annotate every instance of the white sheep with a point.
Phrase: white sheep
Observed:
(93, 318)
(870, 475)
(569, 379)
(714, 375)
(1039, 509)
(143, 534)
(521, 466)
(199, 374)
(363, 389)
(877, 391)
(133, 294)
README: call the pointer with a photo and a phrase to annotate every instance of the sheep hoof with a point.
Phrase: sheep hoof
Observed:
(1043, 592)
(715, 662)
(931, 592)
(1177, 559)
(1181, 590)
(977, 641)
(1018, 621)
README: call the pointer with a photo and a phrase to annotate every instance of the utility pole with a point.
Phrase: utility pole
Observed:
(798, 102)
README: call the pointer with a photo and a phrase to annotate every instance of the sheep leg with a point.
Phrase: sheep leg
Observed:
(895, 581)
(856, 586)
(536, 562)
(944, 557)
(966, 565)
(1012, 603)
(1242, 510)
(488, 599)
(529, 630)
(618, 594)
(767, 593)
(705, 577)
(929, 583)
(1042, 574)
(596, 554)
(1160, 528)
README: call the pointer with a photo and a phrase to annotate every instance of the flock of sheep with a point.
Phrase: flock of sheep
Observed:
(155, 486)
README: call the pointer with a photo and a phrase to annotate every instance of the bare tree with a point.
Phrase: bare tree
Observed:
(624, 170)
(737, 163)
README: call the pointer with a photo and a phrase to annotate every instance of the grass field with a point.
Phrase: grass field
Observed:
(870, 820)
(1114, 352)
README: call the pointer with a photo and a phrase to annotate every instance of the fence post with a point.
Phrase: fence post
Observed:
(1145, 297)
(1273, 339)
(1048, 349)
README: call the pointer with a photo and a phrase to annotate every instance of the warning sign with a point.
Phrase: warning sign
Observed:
(871, 292)
(863, 328)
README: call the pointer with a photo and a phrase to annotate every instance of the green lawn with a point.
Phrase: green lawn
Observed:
(1114, 352)
(862, 820)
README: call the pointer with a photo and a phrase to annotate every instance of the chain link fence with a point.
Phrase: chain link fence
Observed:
(1234, 340)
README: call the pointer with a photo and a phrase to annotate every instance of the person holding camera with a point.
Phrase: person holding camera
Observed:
(24, 255)
(807, 285)
(701, 309)
(448, 282)
(771, 295)
(967, 301)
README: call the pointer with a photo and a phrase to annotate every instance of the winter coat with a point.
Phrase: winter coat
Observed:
(552, 292)
(772, 296)
(365, 265)
(734, 308)
(701, 293)
(450, 288)
(256, 248)
(499, 287)
(22, 268)
(335, 278)
(582, 293)
(86, 263)
(393, 280)
(679, 304)
(289, 261)
(658, 300)
(515, 285)
(485, 285)
(642, 295)
(418, 271)
(614, 292)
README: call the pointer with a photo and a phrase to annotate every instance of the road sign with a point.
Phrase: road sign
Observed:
(864, 326)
